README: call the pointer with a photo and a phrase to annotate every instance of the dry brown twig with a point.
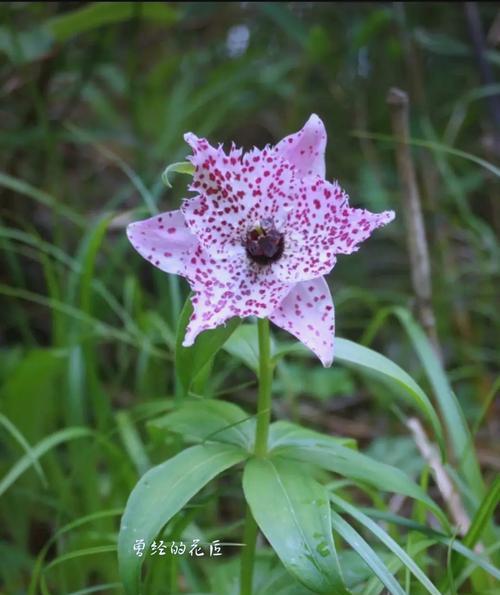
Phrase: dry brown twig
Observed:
(421, 281)
(412, 213)
(443, 481)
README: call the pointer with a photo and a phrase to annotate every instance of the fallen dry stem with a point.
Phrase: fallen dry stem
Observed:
(443, 481)
(412, 213)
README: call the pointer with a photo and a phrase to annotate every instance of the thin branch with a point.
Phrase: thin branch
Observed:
(412, 212)
(443, 481)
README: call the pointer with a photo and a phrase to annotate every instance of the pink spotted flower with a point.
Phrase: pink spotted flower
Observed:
(258, 236)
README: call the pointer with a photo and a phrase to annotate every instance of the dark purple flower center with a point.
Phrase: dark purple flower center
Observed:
(264, 243)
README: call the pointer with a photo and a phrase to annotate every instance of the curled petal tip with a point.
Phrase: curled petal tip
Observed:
(129, 229)
(187, 342)
(315, 119)
(305, 149)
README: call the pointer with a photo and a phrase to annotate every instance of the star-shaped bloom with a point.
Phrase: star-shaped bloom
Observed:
(259, 235)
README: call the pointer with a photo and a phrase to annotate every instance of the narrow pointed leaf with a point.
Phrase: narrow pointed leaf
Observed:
(211, 420)
(447, 402)
(244, 344)
(160, 494)
(483, 514)
(480, 521)
(451, 412)
(368, 360)
(314, 448)
(450, 542)
(37, 451)
(387, 540)
(19, 437)
(96, 14)
(359, 545)
(285, 433)
(292, 510)
(375, 587)
(182, 167)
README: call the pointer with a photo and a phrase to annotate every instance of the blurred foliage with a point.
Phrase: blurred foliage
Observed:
(94, 101)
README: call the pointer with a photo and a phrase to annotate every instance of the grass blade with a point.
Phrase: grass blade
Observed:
(16, 434)
(360, 546)
(387, 540)
(39, 450)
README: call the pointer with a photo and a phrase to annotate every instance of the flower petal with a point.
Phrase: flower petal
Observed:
(234, 192)
(307, 312)
(306, 149)
(164, 240)
(228, 287)
(210, 164)
(357, 225)
(320, 226)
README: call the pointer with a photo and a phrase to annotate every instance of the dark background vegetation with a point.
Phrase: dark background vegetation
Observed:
(93, 104)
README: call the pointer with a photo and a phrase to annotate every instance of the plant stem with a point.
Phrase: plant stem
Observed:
(248, 554)
(260, 450)
(265, 382)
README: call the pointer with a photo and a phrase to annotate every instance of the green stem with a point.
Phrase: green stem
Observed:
(248, 554)
(260, 450)
(265, 382)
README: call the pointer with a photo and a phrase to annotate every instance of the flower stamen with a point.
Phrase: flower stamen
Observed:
(264, 244)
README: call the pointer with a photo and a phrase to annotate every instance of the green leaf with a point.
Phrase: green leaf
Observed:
(367, 360)
(132, 441)
(375, 587)
(449, 406)
(190, 361)
(244, 345)
(450, 542)
(387, 540)
(37, 567)
(293, 442)
(270, 577)
(39, 450)
(18, 436)
(291, 509)
(88, 252)
(181, 167)
(39, 373)
(472, 566)
(359, 545)
(483, 514)
(25, 46)
(285, 433)
(101, 588)
(48, 200)
(285, 19)
(418, 142)
(211, 420)
(160, 494)
(83, 136)
(96, 14)
(440, 43)
(91, 551)
(481, 520)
